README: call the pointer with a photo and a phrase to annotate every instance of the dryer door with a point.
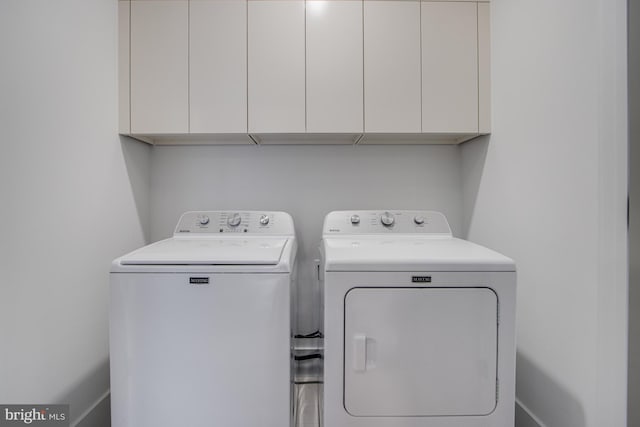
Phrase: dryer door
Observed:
(420, 351)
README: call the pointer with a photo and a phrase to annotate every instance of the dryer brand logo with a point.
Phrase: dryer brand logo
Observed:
(37, 415)
(199, 280)
(421, 279)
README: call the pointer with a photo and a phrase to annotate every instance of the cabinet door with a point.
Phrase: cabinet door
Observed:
(159, 66)
(124, 102)
(392, 66)
(276, 66)
(334, 67)
(218, 66)
(449, 67)
(484, 68)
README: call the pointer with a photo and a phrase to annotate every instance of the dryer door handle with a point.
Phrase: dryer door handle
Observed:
(359, 352)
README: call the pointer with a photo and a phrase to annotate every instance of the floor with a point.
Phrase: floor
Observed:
(308, 405)
(308, 387)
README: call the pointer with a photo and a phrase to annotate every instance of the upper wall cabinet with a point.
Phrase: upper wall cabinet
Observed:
(124, 105)
(159, 66)
(304, 71)
(392, 66)
(440, 94)
(276, 73)
(187, 63)
(218, 66)
(484, 69)
(334, 67)
(449, 67)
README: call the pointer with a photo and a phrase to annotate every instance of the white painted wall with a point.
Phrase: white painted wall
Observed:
(634, 213)
(72, 198)
(548, 188)
(306, 181)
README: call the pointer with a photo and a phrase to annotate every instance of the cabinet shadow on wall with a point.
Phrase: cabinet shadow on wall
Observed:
(473, 154)
(137, 158)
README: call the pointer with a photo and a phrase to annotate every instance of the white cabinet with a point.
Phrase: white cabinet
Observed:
(392, 66)
(334, 67)
(449, 67)
(484, 68)
(218, 66)
(159, 66)
(427, 76)
(276, 66)
(124, 112)
(124, 69)
(304, 71)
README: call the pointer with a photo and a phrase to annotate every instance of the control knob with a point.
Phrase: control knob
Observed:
(419, 219)
(264, 219)
(203, 220)
(355, 219)
(234, 220)
(387, 219)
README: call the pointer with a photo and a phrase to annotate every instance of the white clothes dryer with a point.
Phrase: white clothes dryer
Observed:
(418, 325)
(200, 324)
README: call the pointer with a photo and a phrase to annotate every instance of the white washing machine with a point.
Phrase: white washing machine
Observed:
(200, 324)
(418, 325)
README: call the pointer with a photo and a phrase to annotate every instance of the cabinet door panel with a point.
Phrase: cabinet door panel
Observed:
(124, 102)
(392, 66)
(159, 66)
(276, 66)
(449, 67)
(218, 66)
(334, 66)
(484, 68)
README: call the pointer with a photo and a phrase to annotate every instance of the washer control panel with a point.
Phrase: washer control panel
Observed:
(239, 222)
(386, 221)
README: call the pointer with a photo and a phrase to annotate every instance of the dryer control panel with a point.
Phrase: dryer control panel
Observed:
(386, 222)
(238, 222)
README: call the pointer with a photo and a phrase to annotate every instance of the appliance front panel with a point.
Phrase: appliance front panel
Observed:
(200, 350)
(420, 352)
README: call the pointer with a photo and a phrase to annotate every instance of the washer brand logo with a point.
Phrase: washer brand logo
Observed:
(38, 415)
(199, 280)
(421, 279)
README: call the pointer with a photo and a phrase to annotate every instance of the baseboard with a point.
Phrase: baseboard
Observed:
(98, 414)
(526, 418)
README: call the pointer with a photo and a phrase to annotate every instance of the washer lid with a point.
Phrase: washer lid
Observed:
(410, 253)
(209, 251)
